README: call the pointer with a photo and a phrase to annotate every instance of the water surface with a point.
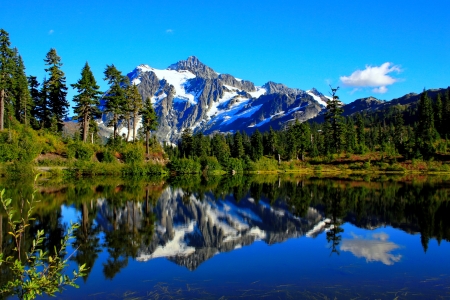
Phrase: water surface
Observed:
(250, 237)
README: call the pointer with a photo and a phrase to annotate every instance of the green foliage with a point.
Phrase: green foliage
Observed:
(132, 153)
(263, 164)
(209, 164)
(184, 166)
(38, 272)
(86, 100)
(56, 90)
(235, 164)
(79, 150)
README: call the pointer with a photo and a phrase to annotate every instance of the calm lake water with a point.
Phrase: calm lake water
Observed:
(250, 237)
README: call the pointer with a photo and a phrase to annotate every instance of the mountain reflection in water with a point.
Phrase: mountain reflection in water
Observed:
(189, 220)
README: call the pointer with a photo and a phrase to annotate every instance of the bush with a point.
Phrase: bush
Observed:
(184, 166)
(235, 164)
(132, 153)
(264, 164)
(209, 164)
(80, 150)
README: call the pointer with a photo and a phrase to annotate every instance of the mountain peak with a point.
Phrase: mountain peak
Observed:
(195, 66)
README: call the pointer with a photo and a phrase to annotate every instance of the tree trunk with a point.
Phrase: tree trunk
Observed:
(147, 137)
(134, 128)
(128, 128)
(115, 126)
(85, 128)
(2, 109)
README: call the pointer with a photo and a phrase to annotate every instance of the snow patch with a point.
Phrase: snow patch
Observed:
(317, 98)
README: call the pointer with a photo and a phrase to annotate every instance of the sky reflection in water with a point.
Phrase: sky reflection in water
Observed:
(278, 240)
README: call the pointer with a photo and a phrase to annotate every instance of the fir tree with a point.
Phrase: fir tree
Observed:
(149, 121)
(334, 116)
(360, 133)
(6, 73)
(186, 143)
(56, 88)
(271, 142)
(35, 94)
(115, 97)
(135, 106)
(87, 100)
(257, 145)
(238, 146)
(438, 114)
(24, 103)
(425, 128)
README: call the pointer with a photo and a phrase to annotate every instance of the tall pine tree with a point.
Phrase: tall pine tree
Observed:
(23, 100)
(56, 89)
(334, 116)
(425, 129)
(6, 73)
(149, 121)
(87, 100)
(115, 97)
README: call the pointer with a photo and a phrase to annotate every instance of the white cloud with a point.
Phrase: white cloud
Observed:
(169, 30)
(376, 249)
(380, 90)
(376, 77)
(51, 31)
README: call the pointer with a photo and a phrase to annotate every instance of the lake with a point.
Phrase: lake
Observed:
(243, 237)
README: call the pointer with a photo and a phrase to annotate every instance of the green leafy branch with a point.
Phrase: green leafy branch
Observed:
(39, 272)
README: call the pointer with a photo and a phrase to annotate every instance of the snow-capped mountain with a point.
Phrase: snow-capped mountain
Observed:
(189, 94)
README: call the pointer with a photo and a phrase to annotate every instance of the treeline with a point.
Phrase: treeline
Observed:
(45, 106)
(391, 133)
(32, 113)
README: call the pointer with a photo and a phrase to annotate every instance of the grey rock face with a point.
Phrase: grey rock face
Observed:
(194, 65)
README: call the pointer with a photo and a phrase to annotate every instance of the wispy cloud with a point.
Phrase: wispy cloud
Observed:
(376, 77)
(51, 31)
(169, 31)
(377, 248)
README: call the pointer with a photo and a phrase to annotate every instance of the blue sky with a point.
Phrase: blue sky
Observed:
(397, 46)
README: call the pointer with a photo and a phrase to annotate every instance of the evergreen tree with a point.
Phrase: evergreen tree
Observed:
(220, 149)
(257, 145)
(136, 106)
(200, 145)
(35, 95)
(186, 143)
(425, 128)
(87, 100)
(398, 136)
(56, 88)
(446, 113)
(350, 136)
(303, 139)
(23, 101)
(149, 121)
(115, 97)
(271, 142)
(438, 114)
(6, 73)
(238, 150)
(334, 116)
(360, 133)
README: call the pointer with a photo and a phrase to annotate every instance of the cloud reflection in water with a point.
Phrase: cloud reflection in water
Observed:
(376, 248)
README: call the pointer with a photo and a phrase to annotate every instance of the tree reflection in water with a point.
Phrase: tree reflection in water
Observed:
(138, 218)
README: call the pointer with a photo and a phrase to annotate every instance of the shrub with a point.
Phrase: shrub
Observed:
(209, 164)
(80, 150)
(184, 166)
(132, 153)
